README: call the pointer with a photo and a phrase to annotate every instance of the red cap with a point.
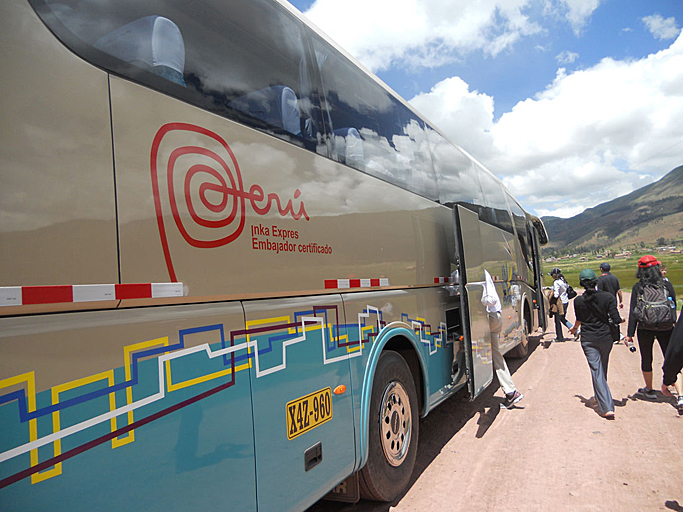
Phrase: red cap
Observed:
(648, 261)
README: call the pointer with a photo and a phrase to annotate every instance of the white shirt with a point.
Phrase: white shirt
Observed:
(490, 296)
(560, 290)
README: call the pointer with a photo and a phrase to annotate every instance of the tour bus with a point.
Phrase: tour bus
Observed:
(236, 268)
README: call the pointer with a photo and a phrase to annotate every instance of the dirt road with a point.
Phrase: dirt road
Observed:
(553, 451)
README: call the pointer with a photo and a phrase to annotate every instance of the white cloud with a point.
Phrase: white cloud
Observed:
(661, 28)
(566, 57)
(587, 138)
(578, 12)
(425, 33)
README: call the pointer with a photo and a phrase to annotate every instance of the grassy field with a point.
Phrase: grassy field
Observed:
(624, 269)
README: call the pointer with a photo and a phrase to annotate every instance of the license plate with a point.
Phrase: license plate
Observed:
(308, 412)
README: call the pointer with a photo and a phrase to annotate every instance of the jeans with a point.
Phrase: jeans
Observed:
(597, 355)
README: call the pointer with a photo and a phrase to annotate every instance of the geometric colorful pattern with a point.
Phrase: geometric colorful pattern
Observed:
(242, 349)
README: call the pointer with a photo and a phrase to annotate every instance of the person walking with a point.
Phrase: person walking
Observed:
(673, 362)
(593, 310)
(652, 288)
(560, 287)
(494, 312)
(608, 282)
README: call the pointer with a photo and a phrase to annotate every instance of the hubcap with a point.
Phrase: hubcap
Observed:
(395, 423)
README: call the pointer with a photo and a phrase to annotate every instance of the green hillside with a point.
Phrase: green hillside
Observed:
(649, 216)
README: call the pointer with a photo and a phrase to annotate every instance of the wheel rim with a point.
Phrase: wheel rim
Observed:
(395, 423)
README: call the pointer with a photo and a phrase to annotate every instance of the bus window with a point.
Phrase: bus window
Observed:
(456, 174)
(372, 130)
(495, 210)
(244, 59)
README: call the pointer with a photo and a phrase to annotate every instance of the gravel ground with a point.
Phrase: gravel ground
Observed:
(553, 451)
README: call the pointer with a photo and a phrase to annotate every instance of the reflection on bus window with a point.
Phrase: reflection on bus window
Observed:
(244, 59)
(496, 210)
(372, 130)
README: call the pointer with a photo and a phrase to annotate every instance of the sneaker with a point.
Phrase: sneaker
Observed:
(649, 393)
(680, 405)
(609, 415)
(512, 399)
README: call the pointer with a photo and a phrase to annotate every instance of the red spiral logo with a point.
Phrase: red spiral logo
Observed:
(201, 185)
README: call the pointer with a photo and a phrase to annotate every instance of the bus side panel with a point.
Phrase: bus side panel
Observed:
(302, 398)
(220, 208)
(57, 193)
(132, 408)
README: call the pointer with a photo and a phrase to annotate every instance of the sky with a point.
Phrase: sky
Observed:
(570, 102)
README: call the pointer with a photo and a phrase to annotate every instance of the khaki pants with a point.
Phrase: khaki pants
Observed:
(499, 364)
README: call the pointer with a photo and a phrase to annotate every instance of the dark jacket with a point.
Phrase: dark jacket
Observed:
(673, 360)
(638, 288)
(592, 327)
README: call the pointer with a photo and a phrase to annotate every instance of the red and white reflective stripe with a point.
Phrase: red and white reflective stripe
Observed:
(356, 283)
(444, 280)
(25, 295)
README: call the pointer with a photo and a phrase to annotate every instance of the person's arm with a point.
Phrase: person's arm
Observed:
(556, 288)
(672, 291)
(612, 310)
(673, 360)
(575, 328)
(631, 330)
(621, 298)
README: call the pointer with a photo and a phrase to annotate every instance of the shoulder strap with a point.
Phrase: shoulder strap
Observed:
(601, 317)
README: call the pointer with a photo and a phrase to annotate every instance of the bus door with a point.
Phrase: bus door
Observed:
(475, 322)
(302, 399)
(538, 279)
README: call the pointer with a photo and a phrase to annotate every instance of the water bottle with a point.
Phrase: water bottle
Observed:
(631, 345)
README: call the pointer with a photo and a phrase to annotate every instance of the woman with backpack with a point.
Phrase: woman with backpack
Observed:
(652, 315)
(596, 311)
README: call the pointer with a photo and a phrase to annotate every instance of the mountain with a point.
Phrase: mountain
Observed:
(645, 215)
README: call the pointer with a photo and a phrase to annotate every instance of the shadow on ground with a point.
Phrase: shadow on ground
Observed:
(438, 428)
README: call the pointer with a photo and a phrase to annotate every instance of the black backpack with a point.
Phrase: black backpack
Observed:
(654, 310)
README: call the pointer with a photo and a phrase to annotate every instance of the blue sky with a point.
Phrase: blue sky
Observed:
(570, 102)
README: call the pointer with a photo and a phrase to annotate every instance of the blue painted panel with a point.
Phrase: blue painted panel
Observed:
(299, 347)
(187, 446)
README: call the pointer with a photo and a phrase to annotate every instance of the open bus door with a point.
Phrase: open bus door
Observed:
(538, 238)
(475, 323)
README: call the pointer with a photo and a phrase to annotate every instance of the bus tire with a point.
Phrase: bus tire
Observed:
(393, 432)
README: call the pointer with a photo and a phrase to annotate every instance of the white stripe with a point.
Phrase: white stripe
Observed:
(384, 281)
(10, 296)
(92, 292)
(343, 283)
(167, 290)
(365, 283)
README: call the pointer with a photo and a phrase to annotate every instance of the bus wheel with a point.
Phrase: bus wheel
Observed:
(394, 426)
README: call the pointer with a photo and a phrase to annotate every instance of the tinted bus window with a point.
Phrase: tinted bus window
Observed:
(519, 218)
(243, 59)
(456, 174)
(372, 130)
(495, 210)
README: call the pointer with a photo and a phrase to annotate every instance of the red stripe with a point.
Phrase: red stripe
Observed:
(374, 282)
(134, 291)
(330, 283)
(354, 283)
(46, 294)
(436, 280)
